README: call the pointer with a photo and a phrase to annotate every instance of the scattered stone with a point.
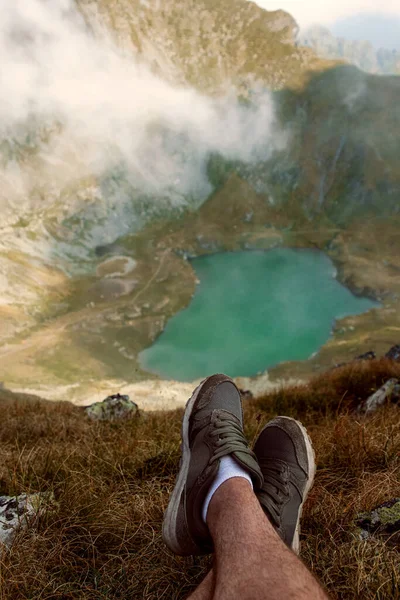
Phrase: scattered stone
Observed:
(383, 521)
(210, 245)
(246, 394)
(394, 353)
(389, 391)
(185, 254)
(113, 408)
(338, 365)
(367, 356)
(20, 511)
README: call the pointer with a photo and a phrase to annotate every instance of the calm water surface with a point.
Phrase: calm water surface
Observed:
(252, 310)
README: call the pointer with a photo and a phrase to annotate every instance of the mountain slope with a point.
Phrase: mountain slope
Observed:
(207, 44)
(122, 166)
(105, 541)
(360, 53)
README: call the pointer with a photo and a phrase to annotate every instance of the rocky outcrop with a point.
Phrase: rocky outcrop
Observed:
(113, 408)
(284, 23)
(394, 353)
(390, 391)
(205, 43)
(362, 54)
(383, 521)
(20, 511)
(367, 356)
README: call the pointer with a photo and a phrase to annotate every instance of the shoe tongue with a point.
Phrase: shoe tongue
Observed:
(249, 463)
(224, 397)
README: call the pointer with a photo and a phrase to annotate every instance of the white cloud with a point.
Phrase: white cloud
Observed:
(113, 111)
(308, 12)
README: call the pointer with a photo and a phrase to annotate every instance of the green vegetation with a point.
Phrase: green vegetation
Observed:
(334, 186)
(112, 481)
(219, 169)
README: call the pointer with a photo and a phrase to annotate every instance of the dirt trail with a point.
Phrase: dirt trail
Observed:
(46, 336)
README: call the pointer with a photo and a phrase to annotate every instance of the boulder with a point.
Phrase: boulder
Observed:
(20, 511)
(383, 521)
(113, 408)
(389, 391)
(246, 394)
(367, 356)
(394, 353)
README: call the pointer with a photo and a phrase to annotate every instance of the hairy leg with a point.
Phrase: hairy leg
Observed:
(251, 561)
(205, 591)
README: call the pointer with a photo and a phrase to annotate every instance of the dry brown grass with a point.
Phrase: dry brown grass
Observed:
(112, 483)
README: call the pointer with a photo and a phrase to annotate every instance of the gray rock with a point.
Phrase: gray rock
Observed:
(209, 245)
(246, 394)
(383, 521)
(367, 356)
(389, 391)
(113, 408)
(394, 353)
(20, 511)
(357, 52)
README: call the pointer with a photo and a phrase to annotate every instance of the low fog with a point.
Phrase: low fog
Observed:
(74, 108)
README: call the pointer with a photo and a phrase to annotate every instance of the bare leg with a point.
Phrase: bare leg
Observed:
(251, 561)
(205, 591)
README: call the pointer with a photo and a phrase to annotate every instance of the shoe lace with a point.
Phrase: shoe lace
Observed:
(275, 490)
(230, 437)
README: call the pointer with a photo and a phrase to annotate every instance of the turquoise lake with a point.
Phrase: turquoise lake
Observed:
(251, 311)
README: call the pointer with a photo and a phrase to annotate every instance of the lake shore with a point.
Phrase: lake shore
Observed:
(150, 395)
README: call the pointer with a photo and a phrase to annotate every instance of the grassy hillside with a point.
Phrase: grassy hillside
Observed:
(343, 159)
(112, 482)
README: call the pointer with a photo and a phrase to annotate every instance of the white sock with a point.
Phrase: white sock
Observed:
(228, 468)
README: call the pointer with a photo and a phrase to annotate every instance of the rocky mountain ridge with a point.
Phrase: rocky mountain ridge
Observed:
(206, 44)
(362, 54)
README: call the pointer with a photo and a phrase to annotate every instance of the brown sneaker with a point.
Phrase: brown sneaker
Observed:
(212, 428)
(287, 461)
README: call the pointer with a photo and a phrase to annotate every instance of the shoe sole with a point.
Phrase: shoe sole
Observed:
(169, 528)
(312, 469)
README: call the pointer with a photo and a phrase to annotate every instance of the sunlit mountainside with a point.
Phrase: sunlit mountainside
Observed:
(134, 134)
